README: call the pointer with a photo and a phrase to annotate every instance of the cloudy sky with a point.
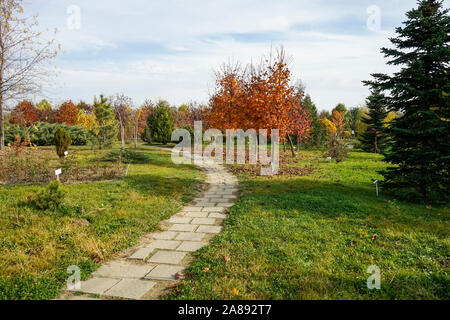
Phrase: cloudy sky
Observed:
(169, 48)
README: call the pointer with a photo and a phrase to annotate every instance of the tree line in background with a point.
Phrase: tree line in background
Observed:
(101, 123)
(255, 97)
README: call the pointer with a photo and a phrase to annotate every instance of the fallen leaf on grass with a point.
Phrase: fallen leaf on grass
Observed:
(96, 258)
(235, 292)
(374, 237)
(227, 259)
(206, 270)
(353, 243)
(178, 276)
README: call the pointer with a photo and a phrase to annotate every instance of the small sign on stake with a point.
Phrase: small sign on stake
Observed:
(376, 184)
(58, 173)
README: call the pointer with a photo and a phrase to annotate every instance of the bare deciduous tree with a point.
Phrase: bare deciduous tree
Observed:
(122, 105)
(23, 54)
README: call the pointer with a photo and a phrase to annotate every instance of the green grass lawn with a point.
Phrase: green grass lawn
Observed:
(314, 237)
(97, 221)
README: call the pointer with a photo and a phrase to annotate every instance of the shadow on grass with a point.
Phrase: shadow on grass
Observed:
(157, 185)
(330, 200)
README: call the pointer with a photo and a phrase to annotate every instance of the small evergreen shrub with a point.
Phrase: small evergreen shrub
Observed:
(62, 142)
(160, 123)
(50, 198)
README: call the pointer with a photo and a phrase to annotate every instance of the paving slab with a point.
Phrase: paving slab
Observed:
(141, 254)
(196, 214)
(96, 285)
(191, 246)
(214, 209)
(207, 221)
(209, 229)
(218, 200)
(166, 235)
(183, 227)
(167, 257)
(188, 209)
(165, 272)
(164, 244)
(130, 289)
(180, 220)
(190, 236)
(217, 215)
(205, 204)
(122, 269)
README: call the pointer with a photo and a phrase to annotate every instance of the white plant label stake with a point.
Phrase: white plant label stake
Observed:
(58, 173)
(376, 185)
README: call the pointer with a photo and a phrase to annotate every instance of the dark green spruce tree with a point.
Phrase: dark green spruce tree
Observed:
(419, 140)
(316, 137)
(160, 123)
(373, 140)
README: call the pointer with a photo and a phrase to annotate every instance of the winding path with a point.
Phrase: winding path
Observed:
(147, 271)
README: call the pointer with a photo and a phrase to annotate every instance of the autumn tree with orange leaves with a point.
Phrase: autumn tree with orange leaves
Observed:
(259, 97)
(67, 113)
(228, 104)
(24, 114)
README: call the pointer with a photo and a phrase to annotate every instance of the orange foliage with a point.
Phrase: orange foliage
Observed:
(142, 115)
(228, 104)
(260, 99)
(24, 114)
(339, 122)
(67, 113)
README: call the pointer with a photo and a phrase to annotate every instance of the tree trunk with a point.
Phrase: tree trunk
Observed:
(284, 145)
(136, 136)
(122, 135)
(292, 145)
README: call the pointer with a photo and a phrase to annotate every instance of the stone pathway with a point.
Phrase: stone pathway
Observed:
(160, 262)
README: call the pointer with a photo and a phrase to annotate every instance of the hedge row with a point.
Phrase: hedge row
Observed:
(43, 133)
